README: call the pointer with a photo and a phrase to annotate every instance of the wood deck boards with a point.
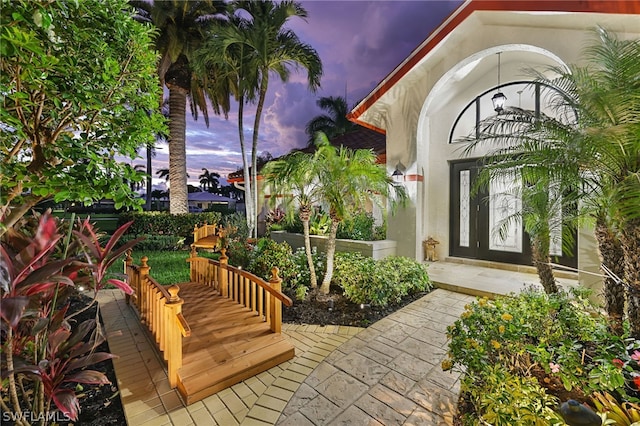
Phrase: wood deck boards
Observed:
(228, 343)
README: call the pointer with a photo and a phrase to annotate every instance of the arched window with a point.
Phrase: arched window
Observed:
(521, 94)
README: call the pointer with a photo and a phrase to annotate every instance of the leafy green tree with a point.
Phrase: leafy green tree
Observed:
(293, 180)
(334, 123)
(75, 88)
(348, 179)
(182, 27)
(592, 144)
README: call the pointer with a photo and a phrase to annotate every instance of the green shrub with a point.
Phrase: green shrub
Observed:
(155, 242)
(267, 254)
(238, 222)
(365, 280)
(223, 209)
(239, 253)
(561, 337)
(358, 227)
(506, 399)
(163, 223)
(304, 275)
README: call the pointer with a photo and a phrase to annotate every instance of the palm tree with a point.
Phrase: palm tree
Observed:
(138, 185)
(209, 180)
(182, 27)
(333, 124)
(348, 179)
(163, 174)
(275, 49)
(591, 145)
(227, 60)
(294, 177)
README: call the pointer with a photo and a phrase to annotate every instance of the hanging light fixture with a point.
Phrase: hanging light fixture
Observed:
(499, 98)
(397, 173)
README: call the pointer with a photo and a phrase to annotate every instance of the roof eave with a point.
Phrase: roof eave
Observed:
(462, 13)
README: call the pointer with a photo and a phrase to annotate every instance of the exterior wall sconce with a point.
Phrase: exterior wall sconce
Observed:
(499, 98)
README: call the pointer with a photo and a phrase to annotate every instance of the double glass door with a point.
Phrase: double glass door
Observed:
(485, 225)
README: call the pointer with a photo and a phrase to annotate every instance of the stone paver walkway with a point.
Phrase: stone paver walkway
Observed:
(388, 374)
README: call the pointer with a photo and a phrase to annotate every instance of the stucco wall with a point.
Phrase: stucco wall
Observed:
(420, 110)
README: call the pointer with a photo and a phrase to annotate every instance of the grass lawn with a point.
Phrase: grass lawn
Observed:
(167, 267)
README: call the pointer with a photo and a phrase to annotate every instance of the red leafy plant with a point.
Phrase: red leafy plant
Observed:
(43, 351)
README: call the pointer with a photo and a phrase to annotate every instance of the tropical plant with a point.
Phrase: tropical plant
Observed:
(182, 27)
(348, 179)
(229, 63)
(332, 124)
(293, 181)
(590, 145)
(75, 88)
(41, 350)
(622, 414)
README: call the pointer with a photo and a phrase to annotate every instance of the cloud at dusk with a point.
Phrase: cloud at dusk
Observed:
(359, 43)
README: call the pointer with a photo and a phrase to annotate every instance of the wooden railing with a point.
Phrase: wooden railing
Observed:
(262, 297)
(160, 309)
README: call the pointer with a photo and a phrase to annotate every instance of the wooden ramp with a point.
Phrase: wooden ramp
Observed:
(228, 343)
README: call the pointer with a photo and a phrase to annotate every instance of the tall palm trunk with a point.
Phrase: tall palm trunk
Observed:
(630, 240)
(254, 146)
(147, 205)
(178, 201)
(305, 214)
(248, 200)
(541, 260)
(331, 251)
(612, 256)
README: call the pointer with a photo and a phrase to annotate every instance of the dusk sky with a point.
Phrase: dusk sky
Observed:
(359, 43)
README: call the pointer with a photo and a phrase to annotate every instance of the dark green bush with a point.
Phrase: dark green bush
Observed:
(220, 208)
(163, 223)
(365, 280)
(304, 275)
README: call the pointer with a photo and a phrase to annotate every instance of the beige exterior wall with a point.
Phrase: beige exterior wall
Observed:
(419, 111)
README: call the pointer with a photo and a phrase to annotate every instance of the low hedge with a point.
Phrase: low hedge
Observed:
(379, 282)
(164, 223)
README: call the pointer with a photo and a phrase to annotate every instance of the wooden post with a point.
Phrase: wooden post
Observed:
(174, 336)
(195, 233)
(142, 282)
(276, 305)
(223, 284)
(128, 260)
(192, 264)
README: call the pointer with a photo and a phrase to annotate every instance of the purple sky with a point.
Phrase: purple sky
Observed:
(359, 43)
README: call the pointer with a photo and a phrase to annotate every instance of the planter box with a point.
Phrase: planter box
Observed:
(376, 249)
